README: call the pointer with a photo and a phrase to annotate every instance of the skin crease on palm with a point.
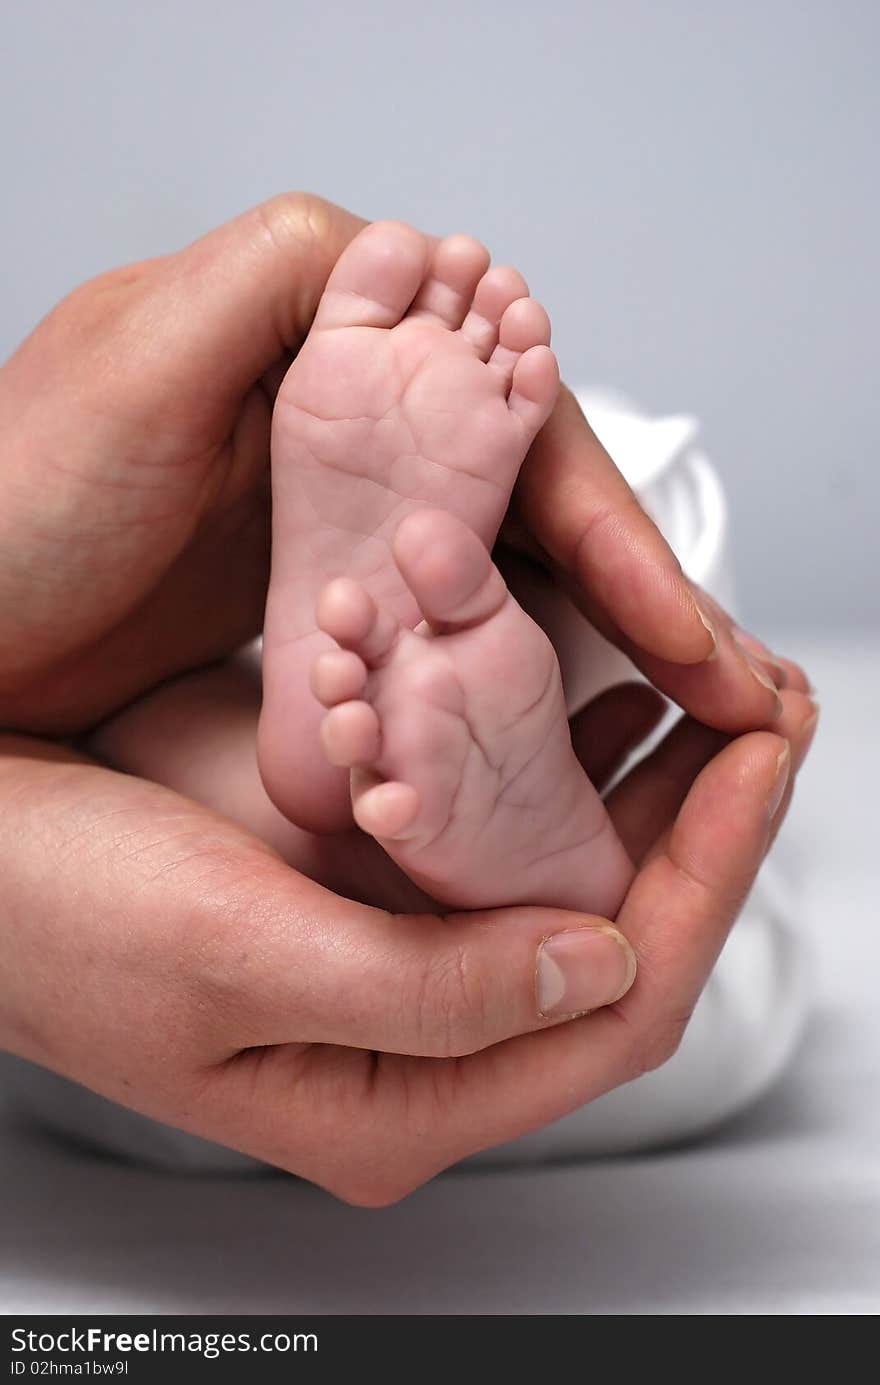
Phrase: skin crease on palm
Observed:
(159, 951)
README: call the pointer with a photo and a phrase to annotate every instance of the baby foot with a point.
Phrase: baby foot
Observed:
(456, 734)
(423, 381)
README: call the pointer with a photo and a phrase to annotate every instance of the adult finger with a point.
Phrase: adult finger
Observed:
(227, 308)
(584, 515)
(282, 252)
(800, 748)
(591, 531)
(405, 1118)
(153, 383)
(643, 803)
(329, 971)
(785, 672)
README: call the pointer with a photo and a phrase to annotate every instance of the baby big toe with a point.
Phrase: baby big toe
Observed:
(375, 279)
(448, 570)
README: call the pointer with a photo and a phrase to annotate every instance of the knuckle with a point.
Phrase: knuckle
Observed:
(450, 1006)
(366, 1188)
(378, 1174)
(298, 228)
(217, 952)
(291, 218)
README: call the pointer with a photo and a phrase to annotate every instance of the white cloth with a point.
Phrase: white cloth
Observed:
(748, 1019)
(750, 1015)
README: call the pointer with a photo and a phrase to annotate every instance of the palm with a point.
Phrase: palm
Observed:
(134, 433)
(160, 497)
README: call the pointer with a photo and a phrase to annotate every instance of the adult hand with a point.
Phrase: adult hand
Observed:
(134, 540)
(575, 515)
(165, 958)
(182, 969)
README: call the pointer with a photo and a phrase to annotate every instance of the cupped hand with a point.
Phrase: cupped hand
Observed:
(574, 515)
(134, 536)
(169, 960)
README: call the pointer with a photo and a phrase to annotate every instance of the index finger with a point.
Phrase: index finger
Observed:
(583, 513)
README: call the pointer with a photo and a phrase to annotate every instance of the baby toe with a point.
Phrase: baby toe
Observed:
(497, 289)
(448, 569)
(337, 676)
(457, 265)
(524, 324)
(534, 388)
(386, 810)
(350, 734)
(348, 613)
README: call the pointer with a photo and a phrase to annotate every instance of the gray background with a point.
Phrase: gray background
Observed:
(691, 188)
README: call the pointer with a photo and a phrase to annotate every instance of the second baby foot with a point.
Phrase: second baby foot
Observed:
(456, 734)
(423, 381)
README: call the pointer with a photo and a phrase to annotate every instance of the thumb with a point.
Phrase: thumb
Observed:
(331, 971)
(251, 286)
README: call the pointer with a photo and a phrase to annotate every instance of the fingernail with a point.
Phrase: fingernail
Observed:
(751, 642)
(775, 672)
(783, 769)
(759, 651)
(713, 653)
(808, 731)
(762, 676)
(582, 969)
